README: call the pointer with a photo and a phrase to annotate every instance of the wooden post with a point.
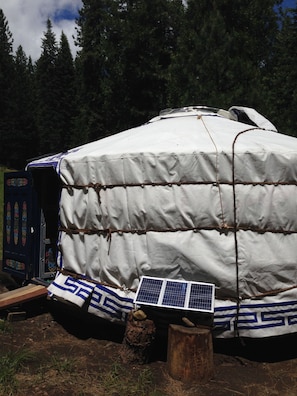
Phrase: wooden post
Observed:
(190, 353)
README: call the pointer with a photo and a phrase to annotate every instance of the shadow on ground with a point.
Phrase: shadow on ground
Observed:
(83, 325)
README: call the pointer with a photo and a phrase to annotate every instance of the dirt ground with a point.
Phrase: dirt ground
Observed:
(63, 352)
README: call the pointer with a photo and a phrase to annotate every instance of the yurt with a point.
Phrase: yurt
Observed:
(196, 194)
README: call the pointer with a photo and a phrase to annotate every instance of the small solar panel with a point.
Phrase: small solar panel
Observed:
(150, 291)
(168, 293)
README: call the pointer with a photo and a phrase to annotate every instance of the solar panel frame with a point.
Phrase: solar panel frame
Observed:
(176, 294)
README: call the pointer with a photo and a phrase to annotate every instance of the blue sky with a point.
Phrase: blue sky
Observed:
(27, 21)
(289, 3)
(65, 14)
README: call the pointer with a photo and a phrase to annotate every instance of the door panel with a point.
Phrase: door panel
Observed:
(20, 231)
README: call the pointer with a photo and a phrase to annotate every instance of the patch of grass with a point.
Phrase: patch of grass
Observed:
(62, 364)
(119, 380)
(10, 364)
(4, 326)
(65, 376)
(57, 364)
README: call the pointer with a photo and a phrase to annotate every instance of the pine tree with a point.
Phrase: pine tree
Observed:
(90, 66)
(47, 94)
(25, 134)
(126, 51)
(282, 81)
(223, 52)
(7, 126)
(65, 77)
(150, 36)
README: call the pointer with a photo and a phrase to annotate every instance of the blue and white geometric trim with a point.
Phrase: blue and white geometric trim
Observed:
(255, 319)
(103, 301)
(270, 316)
(77, 291)
(112, 304)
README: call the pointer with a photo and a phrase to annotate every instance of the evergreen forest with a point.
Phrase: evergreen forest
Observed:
(137, 57)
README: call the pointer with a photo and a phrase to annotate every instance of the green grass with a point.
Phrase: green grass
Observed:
(62, 364)
(10, 364)
(119, 381)
(4, 327)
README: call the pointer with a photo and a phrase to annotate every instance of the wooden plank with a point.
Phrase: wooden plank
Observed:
(16, 316)
(22, 295)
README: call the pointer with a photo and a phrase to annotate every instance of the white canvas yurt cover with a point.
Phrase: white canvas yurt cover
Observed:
(194, 194)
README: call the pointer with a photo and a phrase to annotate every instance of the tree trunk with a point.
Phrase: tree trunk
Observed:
(190, 353)
(137, 343)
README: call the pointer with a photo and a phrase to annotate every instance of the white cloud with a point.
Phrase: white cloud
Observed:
(27, 22)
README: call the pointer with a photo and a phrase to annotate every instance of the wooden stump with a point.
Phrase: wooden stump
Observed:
(138, 340)
(190, 353)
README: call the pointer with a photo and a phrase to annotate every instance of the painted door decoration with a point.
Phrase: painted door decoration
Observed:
(21, 217)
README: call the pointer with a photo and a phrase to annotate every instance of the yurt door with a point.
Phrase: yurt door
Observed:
(30, 231)
(21, 231)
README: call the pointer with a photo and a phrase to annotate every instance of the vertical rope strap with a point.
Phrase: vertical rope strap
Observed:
(217, 170)
(236, 331)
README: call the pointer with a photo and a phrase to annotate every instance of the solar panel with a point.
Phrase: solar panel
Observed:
(179, 294)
